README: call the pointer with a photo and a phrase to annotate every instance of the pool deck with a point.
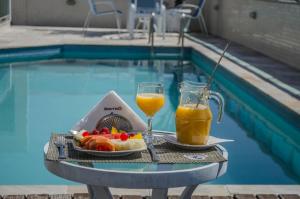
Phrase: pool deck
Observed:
(85, 196)
(202, 190)
(283, 89)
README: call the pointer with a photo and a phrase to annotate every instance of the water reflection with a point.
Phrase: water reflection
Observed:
(13, 114)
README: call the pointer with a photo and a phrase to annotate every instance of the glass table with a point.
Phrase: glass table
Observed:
(159, 177)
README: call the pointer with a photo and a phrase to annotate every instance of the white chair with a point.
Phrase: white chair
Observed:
(191, 12)
(95, 10)
(142, 10)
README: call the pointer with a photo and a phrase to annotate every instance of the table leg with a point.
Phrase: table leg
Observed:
(159, 193)
(97, 192)
(188, 191)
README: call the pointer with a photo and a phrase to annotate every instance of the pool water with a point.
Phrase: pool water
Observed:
(37, 98)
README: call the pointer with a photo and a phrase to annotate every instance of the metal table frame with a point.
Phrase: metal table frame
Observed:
(98, 180)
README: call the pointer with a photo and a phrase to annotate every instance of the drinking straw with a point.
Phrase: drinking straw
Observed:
(217, 65)
(210, 78)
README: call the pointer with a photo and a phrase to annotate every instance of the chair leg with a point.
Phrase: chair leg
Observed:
(138, 23)
(164, 22)
(86, 23)
(146, 27)
(203, 23)
(118, 21)
(187, 25)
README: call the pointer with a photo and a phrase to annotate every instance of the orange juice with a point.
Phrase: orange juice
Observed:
(193, 124)
(150, 103)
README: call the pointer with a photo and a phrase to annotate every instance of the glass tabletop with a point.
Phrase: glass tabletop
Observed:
(142, 167)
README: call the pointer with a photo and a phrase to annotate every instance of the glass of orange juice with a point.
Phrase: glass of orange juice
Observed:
(193, 115)
(150, 99)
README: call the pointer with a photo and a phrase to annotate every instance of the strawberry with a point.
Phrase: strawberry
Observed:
(105, 130)
(124, 136)
(96, 132)
(85, 133)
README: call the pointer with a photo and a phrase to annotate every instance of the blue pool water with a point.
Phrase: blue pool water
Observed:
(40, 97)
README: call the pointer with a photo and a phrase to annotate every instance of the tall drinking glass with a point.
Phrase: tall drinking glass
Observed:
(150, 99)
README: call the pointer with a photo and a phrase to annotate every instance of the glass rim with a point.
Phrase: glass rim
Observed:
(193, 84)
(150, 84)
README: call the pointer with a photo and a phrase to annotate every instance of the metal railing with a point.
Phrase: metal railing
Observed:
(181, 35)
(151, 34)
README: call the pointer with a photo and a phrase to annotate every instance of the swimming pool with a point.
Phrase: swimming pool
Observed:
(44, 90)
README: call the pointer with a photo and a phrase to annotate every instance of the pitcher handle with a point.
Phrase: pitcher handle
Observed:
(220, 100)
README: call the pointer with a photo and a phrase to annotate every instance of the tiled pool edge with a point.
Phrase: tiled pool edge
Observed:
(210, 190)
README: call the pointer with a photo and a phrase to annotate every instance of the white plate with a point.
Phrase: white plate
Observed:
(107, 153)
(212, 141)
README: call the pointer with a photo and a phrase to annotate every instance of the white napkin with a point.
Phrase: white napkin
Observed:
(110, 103)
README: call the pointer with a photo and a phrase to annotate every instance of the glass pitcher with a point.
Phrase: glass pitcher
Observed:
(193, 115)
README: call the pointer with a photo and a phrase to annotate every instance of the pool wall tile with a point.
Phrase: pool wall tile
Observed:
(122, 52)
(261, 132)
(30, 54)
(281, 148)
(296, 162)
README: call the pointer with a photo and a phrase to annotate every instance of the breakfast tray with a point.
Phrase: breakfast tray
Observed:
(166, 152)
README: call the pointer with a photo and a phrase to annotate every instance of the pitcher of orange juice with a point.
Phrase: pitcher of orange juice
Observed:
(193, 115)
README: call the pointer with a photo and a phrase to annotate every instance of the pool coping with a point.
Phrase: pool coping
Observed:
(43, 36)
(209, 190)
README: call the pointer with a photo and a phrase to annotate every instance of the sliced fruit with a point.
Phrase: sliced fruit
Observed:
(78, 137)
(84, 140)
(124, 136)
(137, 136)
(131, 135)
(96, 132)
(92, 145)
(129, 144)
(85, 133)
(114, 130)
(109, 136)
(105, 143)
(105, 130)
(116, 136)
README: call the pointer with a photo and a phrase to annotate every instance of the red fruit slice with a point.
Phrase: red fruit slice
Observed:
(117, 136)
(85, 133)
(105, 130)
(131, 134)
(124, 136)
(96, 132)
